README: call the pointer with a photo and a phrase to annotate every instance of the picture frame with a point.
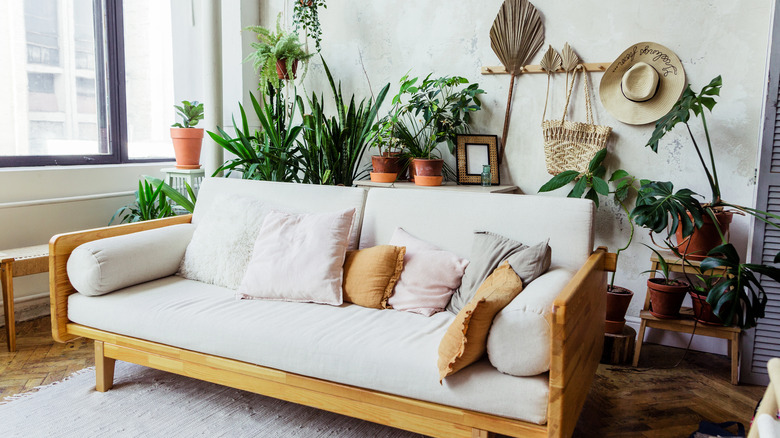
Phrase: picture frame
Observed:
(474, 151)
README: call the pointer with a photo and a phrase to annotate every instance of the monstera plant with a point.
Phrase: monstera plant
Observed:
(738, 296)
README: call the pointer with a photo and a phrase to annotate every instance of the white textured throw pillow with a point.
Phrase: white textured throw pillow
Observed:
(429, 278)
(299, 257)
(223, 240)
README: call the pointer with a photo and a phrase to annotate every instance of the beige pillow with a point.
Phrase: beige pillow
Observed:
(465, 340)
(370, 275)
(299, 257)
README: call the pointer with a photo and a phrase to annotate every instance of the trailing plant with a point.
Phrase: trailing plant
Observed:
(190, 112)
(271, 47)
(306, 17)
(152, 201)
(591, 183)
(269, 154)
(333, 147)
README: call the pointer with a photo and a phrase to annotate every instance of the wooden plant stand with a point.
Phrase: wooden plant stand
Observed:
(686, 322)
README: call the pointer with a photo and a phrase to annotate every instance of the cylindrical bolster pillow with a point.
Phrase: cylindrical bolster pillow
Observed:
(105, 265)
(519, 339)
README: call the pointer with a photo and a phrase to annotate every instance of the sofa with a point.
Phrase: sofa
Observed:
(375, 364)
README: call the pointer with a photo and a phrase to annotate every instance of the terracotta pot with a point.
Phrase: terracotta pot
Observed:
(384, 177)
(697, 245)
(428, 167)
(614, 327)
(666, 299)
(385, 163)
(702, 310)
(618, 299)
(281, 68)
(187, 143)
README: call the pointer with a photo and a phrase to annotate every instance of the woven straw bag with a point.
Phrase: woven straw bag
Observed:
(571, 145)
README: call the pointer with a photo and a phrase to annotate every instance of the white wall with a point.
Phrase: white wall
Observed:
(425, 36)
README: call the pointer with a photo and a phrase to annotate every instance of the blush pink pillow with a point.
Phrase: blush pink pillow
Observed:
(430, 276)
(299, 257)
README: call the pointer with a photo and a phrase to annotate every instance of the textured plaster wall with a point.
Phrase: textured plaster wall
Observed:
(446, 38)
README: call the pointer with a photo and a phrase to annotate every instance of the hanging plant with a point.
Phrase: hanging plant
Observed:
(306, 17)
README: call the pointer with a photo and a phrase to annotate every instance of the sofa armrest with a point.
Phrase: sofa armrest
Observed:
(60, 247)
(577, 341)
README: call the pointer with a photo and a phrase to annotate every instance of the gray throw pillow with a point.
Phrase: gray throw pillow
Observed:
(488, 251)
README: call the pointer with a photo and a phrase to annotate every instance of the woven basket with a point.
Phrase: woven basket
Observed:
(571, 145)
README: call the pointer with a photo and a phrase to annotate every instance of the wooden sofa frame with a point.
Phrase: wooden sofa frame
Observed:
(577, 322)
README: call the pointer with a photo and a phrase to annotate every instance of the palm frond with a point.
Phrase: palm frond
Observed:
(517, 34)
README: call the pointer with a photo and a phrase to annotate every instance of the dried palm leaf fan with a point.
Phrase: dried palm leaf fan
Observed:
(570, 61)
(517, 34)
(551, 61)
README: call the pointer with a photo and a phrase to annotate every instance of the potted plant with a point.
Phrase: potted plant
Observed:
(662, 209)
(268, 154)
(333, 147)
(187, 139)
(387, 164)
(705, 227)
(590, 185)
(276, 54)
(306, 17)
(435, 112)
(666, 294)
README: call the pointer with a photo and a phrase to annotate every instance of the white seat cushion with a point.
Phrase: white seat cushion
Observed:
(383, 350)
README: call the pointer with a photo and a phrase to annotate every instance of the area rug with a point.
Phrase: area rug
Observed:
(151, 403)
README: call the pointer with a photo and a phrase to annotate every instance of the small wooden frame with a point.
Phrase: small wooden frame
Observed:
(474, 151)
(576, 321)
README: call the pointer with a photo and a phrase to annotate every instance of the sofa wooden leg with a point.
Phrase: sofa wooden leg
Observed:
(104, 369)
(479, 433)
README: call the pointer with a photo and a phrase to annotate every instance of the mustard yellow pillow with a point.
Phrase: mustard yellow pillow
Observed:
(465, 340)
(370, 275)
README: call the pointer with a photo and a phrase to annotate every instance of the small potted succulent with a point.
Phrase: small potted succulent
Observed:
(187, 139)
(276, 54)
(436, 111)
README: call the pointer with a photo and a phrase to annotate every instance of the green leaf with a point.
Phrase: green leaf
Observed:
(618, 174)
(579, 188)
(560, 180)
(600, 186)
(597, 160)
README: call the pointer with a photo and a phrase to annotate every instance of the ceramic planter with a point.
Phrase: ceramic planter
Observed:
(281, 68)
(666, 299)
(187, 143)
(697, 245)
(702, 310)
(427, 172)
(618, 299)
(385, 168)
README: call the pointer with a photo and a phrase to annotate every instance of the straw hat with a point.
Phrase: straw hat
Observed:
(643, 84)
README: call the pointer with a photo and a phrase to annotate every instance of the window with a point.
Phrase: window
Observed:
(67, 105)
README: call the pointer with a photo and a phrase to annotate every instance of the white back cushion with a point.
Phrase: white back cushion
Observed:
(291, 197)
(448, 220)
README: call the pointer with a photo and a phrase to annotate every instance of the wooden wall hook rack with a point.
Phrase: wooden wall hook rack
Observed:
(536, 68)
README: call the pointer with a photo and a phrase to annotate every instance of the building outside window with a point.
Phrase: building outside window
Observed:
(63, 102)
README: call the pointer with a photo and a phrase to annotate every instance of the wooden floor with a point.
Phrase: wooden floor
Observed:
(654, 400)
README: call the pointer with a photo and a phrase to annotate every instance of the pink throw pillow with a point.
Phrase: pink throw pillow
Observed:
(299, 257)
(430, 276)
